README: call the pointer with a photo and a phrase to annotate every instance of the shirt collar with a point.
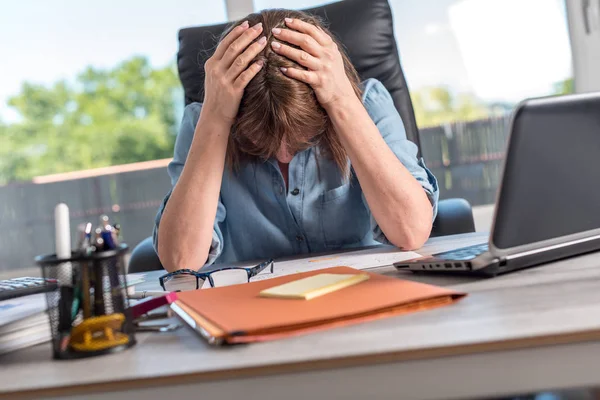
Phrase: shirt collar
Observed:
(273, 161)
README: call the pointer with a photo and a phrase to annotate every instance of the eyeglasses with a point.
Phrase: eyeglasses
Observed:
(188, 279)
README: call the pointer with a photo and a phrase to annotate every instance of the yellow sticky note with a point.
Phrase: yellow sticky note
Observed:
(314, 286)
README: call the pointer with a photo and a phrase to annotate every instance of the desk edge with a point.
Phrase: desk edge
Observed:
(293, 367)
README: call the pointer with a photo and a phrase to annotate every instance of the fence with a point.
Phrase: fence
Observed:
(465, 157)
(27, 210)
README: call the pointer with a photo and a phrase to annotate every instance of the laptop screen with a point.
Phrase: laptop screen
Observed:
(551, 183)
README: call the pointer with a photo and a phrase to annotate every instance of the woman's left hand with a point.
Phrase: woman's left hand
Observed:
(324, 64)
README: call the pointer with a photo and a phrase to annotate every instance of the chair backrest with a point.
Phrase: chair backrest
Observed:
(365, 27)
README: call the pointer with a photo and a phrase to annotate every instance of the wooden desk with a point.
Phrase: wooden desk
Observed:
(532, 330)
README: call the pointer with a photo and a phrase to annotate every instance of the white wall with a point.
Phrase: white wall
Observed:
(483, 216)
(584, 29)
(237, 9)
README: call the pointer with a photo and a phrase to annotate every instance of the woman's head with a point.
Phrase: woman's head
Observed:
(280, 116)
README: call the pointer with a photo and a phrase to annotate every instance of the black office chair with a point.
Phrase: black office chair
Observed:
(365, 27)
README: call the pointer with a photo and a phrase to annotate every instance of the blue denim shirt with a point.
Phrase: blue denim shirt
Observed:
(257, 218)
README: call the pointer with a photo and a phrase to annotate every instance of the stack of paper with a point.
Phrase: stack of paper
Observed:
(23, 322)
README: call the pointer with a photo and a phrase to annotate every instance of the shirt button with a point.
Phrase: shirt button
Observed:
(295, 192)
(299, 238)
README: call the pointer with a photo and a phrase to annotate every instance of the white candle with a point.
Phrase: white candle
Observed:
(62, 230)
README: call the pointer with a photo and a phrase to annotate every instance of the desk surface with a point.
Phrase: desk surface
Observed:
(549, 305)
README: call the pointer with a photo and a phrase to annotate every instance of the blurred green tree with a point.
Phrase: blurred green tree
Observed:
(564, 87)
(107, 116)
(435, 106)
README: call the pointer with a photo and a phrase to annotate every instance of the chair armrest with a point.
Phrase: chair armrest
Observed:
(454, 216)
(144, 258)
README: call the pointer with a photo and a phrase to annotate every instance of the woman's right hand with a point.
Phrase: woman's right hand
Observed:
(228, 73)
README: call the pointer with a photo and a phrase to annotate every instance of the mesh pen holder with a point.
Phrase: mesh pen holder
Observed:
(88, 310)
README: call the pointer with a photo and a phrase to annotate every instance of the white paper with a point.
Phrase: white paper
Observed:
(21, 307)
(39, 333)
(361, 259)
(135, 279)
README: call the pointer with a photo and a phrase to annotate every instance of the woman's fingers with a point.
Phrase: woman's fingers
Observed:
(304, 41)
(320, 36)
(242, 61)
(300, 56)
(230, 38)
(245, 77)
(308, 77)
(239, 45)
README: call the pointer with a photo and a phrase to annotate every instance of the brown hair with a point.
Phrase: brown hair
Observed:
(275, 107)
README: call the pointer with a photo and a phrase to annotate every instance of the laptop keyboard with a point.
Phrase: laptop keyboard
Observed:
(464, 253)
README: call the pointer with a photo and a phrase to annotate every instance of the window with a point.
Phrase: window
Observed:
(289, 4)
(77, 74)
(468, 63)
(85, 88)
(90, 100)
(498, 51)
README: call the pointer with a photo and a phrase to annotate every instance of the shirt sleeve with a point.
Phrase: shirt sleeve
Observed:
(380, 106)
(183, 142)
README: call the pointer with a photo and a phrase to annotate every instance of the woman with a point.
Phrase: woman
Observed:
(289, 154)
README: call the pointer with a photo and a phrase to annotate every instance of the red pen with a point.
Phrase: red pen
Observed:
(151, 304)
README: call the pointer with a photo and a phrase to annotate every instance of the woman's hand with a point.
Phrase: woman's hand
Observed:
(325, 71)
(227, 71)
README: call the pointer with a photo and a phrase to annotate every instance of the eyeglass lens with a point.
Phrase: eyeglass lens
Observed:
(182, 283)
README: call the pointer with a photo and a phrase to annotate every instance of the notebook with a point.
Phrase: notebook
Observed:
(238, 314)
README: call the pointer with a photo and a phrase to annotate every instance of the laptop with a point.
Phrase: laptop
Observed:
(548, 203)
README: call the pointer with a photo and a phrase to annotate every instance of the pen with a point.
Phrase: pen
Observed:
(146, 306)
(85, 249)
(65, 318)
(148, 293)
(99, 308)
(158, 328)
(85, 290)
(99, 241)
(106, 233)
(85, 236)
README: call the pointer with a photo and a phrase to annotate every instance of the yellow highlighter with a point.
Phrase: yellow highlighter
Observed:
(314, 286)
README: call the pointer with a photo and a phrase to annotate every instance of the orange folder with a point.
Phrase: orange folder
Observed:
(237, 314)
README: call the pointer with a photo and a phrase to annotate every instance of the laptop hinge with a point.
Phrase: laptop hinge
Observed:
(552, 247)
